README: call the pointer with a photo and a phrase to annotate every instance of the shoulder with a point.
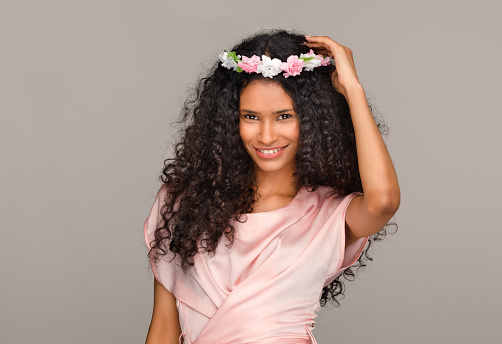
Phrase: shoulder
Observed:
(329, 196)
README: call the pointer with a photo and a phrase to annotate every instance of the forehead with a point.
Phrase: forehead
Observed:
(264, 96)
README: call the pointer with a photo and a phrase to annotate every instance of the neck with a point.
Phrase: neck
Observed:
(276, 182)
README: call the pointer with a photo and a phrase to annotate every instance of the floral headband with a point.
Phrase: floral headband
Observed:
(271, 67)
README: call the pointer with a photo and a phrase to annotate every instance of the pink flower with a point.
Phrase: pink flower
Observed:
(324, 62)
(293, 66)
(249, 64)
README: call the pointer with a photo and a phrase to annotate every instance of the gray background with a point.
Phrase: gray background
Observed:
(87, 92)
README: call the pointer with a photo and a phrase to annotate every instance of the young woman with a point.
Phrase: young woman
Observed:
(279, 182)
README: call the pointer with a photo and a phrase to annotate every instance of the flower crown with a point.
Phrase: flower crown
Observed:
(271, 67)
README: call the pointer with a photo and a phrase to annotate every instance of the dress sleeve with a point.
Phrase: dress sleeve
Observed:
(344, 257)
(151, 223)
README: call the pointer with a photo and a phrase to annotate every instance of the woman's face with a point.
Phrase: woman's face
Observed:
(269, 126)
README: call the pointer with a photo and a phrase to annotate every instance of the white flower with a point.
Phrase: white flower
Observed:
(228, 61)
(223, 56)
(311, 54)
(311, 64)
(269, 67)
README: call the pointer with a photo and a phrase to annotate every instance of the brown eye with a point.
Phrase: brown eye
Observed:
(249, 116)
(286, 116)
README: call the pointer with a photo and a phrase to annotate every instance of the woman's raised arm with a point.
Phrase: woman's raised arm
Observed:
(367, 214)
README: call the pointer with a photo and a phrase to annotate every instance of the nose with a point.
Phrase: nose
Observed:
(268, 133)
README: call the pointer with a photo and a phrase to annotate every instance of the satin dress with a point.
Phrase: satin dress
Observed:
(266, 287)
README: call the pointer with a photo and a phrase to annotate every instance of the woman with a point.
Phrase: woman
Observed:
(277, 185)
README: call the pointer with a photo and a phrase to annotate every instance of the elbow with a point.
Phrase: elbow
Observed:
(386, 202)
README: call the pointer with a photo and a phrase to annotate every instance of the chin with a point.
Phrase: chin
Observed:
(271, 167)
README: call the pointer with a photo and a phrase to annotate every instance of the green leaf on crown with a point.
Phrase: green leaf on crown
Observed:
(233, 55)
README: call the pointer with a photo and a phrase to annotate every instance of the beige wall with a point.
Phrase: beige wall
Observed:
(87, 92)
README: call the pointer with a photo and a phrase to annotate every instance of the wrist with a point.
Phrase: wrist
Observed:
(355, 89)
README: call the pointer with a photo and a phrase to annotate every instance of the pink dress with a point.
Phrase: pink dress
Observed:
(266, 287)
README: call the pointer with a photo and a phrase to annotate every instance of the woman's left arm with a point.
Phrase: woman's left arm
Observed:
(367, 214)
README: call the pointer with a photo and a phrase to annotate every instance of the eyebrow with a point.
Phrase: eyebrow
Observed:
(275, 113)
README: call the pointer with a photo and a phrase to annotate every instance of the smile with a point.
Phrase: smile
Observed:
(270, 153)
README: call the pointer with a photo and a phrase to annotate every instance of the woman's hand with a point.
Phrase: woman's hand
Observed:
(344, 77)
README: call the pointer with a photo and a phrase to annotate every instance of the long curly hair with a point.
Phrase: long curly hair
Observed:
(211, 181)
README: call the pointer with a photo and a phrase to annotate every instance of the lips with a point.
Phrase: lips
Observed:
(267, 148)
(268, 153)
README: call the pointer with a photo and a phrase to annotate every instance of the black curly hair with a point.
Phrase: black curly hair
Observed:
(211, 181)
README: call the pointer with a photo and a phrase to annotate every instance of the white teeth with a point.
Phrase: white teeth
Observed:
(270, 151)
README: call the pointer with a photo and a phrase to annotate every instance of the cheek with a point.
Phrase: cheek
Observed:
(244, 132)
(293, 133)
(241, 129)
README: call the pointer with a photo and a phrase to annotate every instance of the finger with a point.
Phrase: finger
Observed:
(317, 46)
(319, 39)
(332, 48)
(314, 44)
(324, 40)
(323, 52)
(316, 38)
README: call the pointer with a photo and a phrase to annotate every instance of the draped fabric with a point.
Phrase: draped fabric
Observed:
(266, 287)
